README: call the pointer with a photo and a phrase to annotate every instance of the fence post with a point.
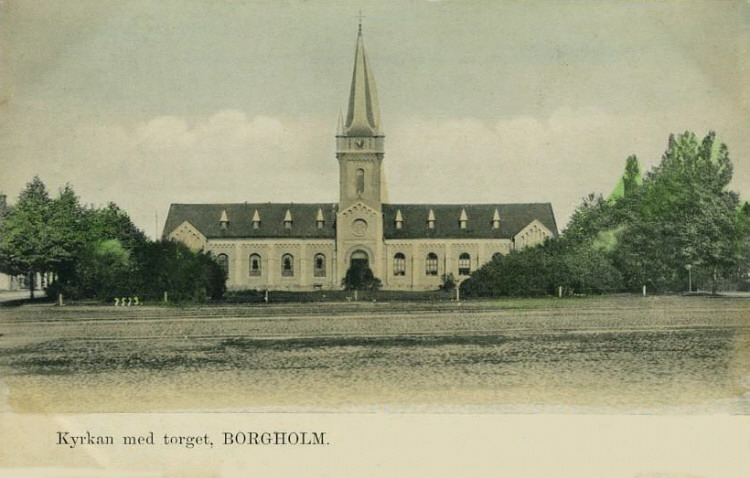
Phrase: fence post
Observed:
(166, 297)
(644, 291)
(60, 299)
(559, 292)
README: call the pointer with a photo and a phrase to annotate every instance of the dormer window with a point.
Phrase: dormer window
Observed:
(496, 220)
(463, 221)
(256, 220)
(224, 221)
(319, 221)
(431, 220)
(288, 220)
(399, 219)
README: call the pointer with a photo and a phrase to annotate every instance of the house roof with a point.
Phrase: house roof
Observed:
(207, 219)
(513, 218)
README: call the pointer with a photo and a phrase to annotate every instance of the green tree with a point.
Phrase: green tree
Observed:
(684, 215)
(24, 247)
(360, 277)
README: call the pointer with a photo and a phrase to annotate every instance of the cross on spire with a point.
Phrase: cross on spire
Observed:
(360, 21)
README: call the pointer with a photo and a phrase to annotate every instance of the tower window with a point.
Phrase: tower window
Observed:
(320, 265)
(287, 265)
(399, 264)
(255, 267)
(360, 181)
(464, 264)
(431, 264)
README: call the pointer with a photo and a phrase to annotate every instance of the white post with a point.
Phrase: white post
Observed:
(644, 291)
(355, 295)
(166, 297)
(60, 300)
(559, 292)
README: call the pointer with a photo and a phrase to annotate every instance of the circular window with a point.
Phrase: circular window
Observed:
(359, 227)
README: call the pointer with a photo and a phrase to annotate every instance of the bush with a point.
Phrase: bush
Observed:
(360, 277)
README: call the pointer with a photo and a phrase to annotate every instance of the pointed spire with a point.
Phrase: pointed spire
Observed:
(288, 220)
(463, 220)
(223, 220)
(340, 127)
(256, 220)
(363, 116)
(496, 220)
(431, 219)
(319, 220)
(399, 219)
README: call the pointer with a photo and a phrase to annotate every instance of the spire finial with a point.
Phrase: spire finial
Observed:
(360, 22)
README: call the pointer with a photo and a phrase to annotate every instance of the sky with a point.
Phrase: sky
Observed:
(179, 101)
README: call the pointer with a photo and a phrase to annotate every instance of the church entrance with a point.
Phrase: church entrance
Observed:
(359, 260)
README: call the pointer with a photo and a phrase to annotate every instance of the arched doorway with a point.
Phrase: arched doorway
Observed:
(359, 258)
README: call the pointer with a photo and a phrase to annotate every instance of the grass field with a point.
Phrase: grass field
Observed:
(622, 354)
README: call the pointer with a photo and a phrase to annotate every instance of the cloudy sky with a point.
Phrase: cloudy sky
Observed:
(149, 103)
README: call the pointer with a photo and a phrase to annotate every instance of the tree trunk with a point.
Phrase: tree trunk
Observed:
(714, 283)
(31, 284)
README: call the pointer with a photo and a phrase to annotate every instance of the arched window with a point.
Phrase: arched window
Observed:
(360, 181)
(255, 266)
(497, 256)
(320, 265)
(287, 265)
(223, 261)
(464, 264)
(431, 264)
(399, 264)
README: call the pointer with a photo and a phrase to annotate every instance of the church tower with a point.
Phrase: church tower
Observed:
(359, 150)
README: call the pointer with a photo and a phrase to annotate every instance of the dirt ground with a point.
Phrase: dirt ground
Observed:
(622, 354)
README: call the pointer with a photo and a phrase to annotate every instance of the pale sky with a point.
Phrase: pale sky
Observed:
(148, 103)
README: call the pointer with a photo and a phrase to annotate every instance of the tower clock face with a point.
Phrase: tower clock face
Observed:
(359, 227)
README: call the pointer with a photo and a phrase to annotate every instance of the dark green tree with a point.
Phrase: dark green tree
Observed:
(684, 215)
(360, 277)
(25, 233)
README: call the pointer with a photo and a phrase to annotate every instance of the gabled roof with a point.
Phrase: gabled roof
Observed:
(513, 218)
(205, 218)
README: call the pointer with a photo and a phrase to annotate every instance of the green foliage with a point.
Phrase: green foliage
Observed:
(540, 270)
(684, 215)
(645, 234)
(184, 274)
(98, 252)
(25, 231)
(360, 277)
(449, 282)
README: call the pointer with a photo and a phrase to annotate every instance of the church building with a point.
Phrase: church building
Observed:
(304, 246)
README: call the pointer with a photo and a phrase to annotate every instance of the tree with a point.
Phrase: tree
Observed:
(26, 233)
(360, 277)
(684, 215)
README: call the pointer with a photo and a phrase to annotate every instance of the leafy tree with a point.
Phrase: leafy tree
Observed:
(685, 215)
(25, 233)
(360, 277)
(111, 222)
